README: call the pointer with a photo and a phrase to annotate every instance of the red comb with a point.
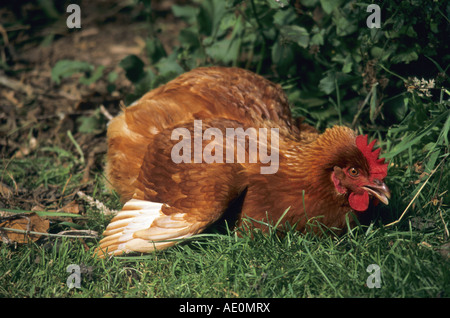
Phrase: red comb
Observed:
(378, 169)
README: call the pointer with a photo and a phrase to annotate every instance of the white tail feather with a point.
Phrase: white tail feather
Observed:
(141, 226)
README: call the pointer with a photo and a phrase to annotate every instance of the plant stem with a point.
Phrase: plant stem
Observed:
(260, 30)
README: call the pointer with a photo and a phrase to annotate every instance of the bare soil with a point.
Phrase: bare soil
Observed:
(36, 112)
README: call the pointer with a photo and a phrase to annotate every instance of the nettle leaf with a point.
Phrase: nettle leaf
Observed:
(189, 38)
(90, 124)
(169, 65)
(282, 54)
(284, 17)
(344, 26)
(210, 16)
(155, 49)
(296, 34)
(318, 38)
(134, 68)
(94, 77)
(66, 68)
(329, 5)
(142, 86)
(405, 57)
(228, 21)
(226, 50)
(328, 83)
(346, 61)
(277, 4)
(187, 13)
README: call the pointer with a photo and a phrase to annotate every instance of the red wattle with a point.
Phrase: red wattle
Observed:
(359, 201)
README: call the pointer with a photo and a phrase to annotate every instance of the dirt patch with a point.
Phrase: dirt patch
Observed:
(36, 112)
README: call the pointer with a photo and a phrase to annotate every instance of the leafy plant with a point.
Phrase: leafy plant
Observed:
(321, 52)
(67, 68)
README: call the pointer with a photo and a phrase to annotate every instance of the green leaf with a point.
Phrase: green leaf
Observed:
(282, 54)
(98, 73)
(328, 83)
(169, 65)
(142, 86)
(210, 15)
(155, 49)
(88, 124)
(296, 34)
(329, 5)
(134, 67)
(405, 57)
(112, 76)
(278, 4)
(189, 38)
(66, 68)
(226, 50)
(317, 39)
(344, 26)
(228, 21)
(347, 67)
(187, 13)
(284, 17)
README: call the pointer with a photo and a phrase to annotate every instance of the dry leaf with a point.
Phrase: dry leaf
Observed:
(5, 191)
(71, 207)
(25, 222)
(11, 97)
(419, 167)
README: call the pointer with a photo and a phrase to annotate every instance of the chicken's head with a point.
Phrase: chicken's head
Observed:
(361, 176)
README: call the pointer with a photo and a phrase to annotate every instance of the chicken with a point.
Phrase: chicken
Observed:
(173, 159)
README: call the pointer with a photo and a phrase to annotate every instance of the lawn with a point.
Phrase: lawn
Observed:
(59, 89)
(412, 259)
(228, 266)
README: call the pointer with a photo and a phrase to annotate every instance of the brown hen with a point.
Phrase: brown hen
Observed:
(220, 144)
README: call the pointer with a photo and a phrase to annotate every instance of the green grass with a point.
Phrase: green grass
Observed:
(232, 266)
(227, 265)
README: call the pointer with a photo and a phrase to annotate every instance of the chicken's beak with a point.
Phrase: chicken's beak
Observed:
(379, 190)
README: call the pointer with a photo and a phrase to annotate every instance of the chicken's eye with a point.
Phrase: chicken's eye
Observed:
(353, 172)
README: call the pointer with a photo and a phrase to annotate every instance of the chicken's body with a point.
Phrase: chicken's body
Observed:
(166, 200)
